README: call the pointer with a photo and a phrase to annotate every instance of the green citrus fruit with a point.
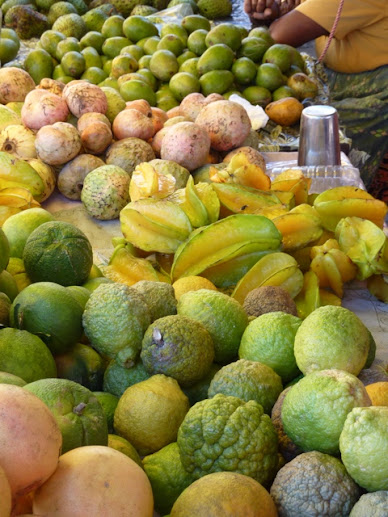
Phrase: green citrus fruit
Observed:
(159, 296)
(319, 474)
(236, 494)
(81, 364)
(270, 340)
(5, 305)
(221, 315)
(167, 476)
(364, 446)
(178, 346)
(25, 355)
(117, 378)
(331, 337)
(10, 378)
(18, 227)
(150, 412)
(115, 319)
(8, 285)
(248, 380)
(315, 408)
(18, 271)
(122, 445)
(225, 433)
(4, 250)
(77, 411)
(108, 403)
(59, 252)
(375, 502)
(50, 311)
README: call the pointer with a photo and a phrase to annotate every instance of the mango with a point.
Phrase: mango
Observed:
(285, 111)
(303, 86)
(227, 237)
(216, 57)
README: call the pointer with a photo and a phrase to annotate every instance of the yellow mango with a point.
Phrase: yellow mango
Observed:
(285, 112)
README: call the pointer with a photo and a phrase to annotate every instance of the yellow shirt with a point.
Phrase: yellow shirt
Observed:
(360, 42)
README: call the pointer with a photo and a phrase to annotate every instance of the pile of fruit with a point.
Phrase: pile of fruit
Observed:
(208, 363)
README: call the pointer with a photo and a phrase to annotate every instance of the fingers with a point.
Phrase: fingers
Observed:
(248, 6)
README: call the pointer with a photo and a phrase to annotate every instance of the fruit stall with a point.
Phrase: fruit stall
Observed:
(191, 323)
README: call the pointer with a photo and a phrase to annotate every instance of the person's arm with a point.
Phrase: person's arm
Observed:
(296, 29)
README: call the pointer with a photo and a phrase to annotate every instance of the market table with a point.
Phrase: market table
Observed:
(356, 297)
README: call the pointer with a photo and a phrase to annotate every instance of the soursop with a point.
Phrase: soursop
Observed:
(143, 10)
(26, 21)
(59, 9)
(125, 7)
(80, 5)
(212, 9)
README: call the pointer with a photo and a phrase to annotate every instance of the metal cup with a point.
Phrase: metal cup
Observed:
(319, 137)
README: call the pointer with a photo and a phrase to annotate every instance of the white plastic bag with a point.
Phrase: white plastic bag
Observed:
(257, 115)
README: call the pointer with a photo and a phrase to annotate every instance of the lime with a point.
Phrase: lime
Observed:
(108, 403)
(315, 409)
(150, 412)
(117, 378)
(248, 380)
(375, 502)
(58, 251)
(76, 410)
(179, 347)
(122, 445)
(25, 355)
(331, 337)
(80, 294)
(50, 311)
(221, 315)
(167, 476)
(364, 444)
(269, 339)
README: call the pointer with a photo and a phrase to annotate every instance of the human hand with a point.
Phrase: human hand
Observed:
(268, 10)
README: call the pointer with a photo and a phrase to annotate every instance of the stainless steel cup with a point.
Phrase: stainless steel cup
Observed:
(319, 137)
